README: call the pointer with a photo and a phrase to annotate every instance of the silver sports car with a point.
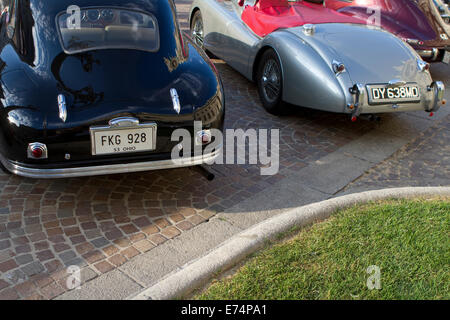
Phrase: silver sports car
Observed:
(304, 54)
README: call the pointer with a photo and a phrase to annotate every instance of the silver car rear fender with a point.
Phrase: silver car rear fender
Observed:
(308, 80)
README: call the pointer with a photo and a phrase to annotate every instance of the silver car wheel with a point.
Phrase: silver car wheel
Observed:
(197, 30)
(271, 80)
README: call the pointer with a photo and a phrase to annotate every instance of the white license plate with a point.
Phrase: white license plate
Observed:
(106, 140)
(379, 94)
(446, 58)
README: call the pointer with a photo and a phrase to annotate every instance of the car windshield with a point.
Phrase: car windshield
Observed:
(107, 28)
(264, 4)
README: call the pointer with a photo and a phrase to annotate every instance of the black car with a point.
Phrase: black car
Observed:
(93, 87)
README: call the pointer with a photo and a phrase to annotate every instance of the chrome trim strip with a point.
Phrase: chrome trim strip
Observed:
(108, 169)
(175, 100)
(124, 122)
(62, 107)
(396, 83)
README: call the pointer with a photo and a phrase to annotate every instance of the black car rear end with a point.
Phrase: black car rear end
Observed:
(68, 84)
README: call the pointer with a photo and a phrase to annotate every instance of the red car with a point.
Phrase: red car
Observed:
(421, 23)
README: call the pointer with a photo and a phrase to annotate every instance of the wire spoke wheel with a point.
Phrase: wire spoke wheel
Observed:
(197, 29)
(271, 80)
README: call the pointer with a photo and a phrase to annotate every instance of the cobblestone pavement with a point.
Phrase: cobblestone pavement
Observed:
(99, 223)
(423, 162)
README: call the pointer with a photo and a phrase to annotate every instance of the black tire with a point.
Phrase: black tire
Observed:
(269, 79)
(197, 31)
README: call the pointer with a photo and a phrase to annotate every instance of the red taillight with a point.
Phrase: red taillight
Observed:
(204, 137)
(338, 67)
(37, 153)
(37, 150)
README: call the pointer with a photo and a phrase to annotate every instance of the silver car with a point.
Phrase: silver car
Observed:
(331, 65)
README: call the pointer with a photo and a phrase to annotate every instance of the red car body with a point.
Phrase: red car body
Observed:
(267, 16)
(418, 22)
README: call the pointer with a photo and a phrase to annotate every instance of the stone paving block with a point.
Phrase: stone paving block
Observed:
(24, 259)
(117, 260)
(9, 294)
(45, 255)
(52, 290)
(3, 284)
(33, 268)
(103, 266)
(67, 255)
(80, 262)
(100, 242)
(8, 265)
(4, 244)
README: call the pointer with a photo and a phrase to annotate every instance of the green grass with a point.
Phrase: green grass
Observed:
(408, 240)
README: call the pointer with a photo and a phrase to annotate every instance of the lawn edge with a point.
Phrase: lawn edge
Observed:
(198, 272)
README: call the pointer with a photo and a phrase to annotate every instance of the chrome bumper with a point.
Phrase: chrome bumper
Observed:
(438, 88)
(431, 54)
(108, 169)
(359, 106)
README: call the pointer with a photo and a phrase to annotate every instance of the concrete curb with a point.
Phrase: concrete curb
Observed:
(196, 273)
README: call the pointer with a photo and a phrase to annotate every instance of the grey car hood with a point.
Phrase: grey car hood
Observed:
(370, 55)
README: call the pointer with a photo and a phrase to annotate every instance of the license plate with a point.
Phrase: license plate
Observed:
(446, 58)
(107, 140)
(379, 94)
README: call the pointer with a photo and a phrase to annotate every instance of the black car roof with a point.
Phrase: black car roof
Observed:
(42, 15)
(62, 5)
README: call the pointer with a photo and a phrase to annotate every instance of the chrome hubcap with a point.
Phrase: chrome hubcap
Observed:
(271, 80)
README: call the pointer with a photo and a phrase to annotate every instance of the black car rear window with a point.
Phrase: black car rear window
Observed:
(107, 28)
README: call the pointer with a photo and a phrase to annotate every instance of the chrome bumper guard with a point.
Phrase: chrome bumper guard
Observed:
(438, 88)
(359, 94)
(108, 169)
(431, 54)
